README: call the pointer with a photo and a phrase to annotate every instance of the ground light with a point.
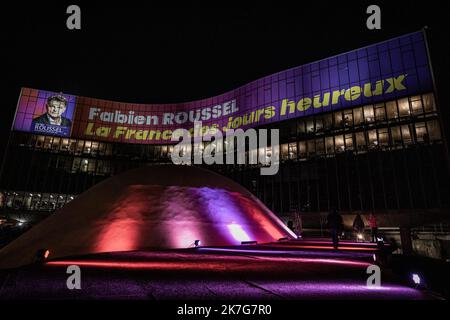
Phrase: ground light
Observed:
(197, 243)
(416, 279)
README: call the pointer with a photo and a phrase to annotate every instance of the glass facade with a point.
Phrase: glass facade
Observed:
(380, 156)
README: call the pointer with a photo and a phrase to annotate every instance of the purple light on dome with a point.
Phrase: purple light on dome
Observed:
(226, 214)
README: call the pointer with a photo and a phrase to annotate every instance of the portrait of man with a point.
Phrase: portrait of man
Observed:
(56, 105)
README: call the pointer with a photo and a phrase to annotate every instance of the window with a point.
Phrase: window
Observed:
(302, 146)
(319, 125)
(360, 140)
(338, 120)
(434, 130)
(348, 118)
(72, 145)
(396, 136)
(349, 142)
(320, 148)
(329, 145)
(101, 148)
(372, 137)
(293, 129)
(368, 113)
(108, 150)
(311, 147)
(380, 113)
(64, 144)
(87, 147)
(328, 121)
(301, 128)
(421, 132)
(428, 102)
(293, 150)
(391, 109)
(310, 126)
(416, 105)
(406, 134)
(84, 165)
(79, 147)
(357, 116)
(164, 150)
(284, 151)
(76, 165)
(47, 142)
(95, 148)
(339, 143)
(40, 142)
(383, 137)
(55, 143)
(403, 107)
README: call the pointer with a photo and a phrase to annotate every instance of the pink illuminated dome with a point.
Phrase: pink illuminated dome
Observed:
(152, 207)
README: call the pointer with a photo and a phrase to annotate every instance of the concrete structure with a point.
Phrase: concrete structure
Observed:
(158, 207)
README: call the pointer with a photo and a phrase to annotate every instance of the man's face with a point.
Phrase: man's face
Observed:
(56, 108)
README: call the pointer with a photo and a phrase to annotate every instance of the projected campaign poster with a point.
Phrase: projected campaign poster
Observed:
(384, 71)
(44, 112)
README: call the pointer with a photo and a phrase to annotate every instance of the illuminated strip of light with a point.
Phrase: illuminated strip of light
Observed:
(366, 244)
(238, 233)
(135, 265)
(330, 248)
(183, 265)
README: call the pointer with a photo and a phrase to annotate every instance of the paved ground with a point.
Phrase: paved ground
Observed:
(285, 270)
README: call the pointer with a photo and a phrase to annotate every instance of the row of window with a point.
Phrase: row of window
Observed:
(391, 111)
(393, 137)
(33, 201)
(397, 136)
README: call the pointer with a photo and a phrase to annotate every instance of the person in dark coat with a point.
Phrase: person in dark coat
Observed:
(290, 225)
(358, 226)
(373, 226)
(334, 221)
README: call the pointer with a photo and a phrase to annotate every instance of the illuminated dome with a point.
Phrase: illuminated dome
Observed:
(153, 207)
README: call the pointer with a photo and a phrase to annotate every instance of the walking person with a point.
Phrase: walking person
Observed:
(298, 225)
(358, 227)
(334, 221)
(373, 227)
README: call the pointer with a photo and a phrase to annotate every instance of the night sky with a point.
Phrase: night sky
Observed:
(133, 52)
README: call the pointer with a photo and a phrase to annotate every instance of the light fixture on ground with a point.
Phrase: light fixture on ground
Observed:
(417, 280)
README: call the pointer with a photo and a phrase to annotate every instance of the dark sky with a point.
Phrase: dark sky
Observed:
(133, 52)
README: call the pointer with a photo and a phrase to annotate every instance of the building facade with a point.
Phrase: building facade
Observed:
(361, 132)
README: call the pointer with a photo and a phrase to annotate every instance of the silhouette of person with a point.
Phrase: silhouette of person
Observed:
(373, 227)
(358, 225)
(290, 225)
(334, 220)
